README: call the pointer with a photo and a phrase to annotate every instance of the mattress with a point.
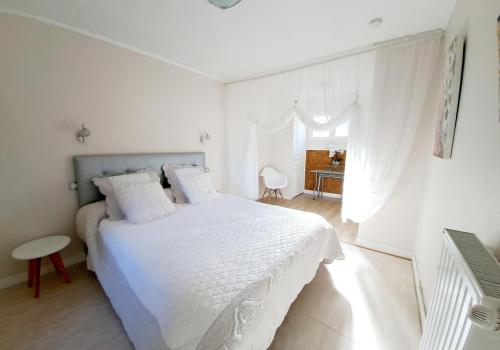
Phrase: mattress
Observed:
(220, 275)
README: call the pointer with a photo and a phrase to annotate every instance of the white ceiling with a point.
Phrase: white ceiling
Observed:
(252, 38)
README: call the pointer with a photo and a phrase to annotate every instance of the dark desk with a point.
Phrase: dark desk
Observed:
(322, 174)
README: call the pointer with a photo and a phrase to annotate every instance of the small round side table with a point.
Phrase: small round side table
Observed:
(34, 251)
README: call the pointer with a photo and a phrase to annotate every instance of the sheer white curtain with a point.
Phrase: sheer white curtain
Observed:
(267, 105)
(332, 90)
(382, 133)
(242, 146)
(381, 93)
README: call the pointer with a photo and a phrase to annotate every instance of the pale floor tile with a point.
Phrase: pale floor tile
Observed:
(366, 301)
(315, 335)
(66, 316)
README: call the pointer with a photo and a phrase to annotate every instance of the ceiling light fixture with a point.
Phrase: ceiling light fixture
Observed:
(376, 22)
(224, 4)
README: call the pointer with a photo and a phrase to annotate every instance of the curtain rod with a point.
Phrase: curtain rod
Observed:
(348, 53)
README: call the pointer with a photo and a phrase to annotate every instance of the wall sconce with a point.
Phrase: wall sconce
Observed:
(83, 133)
(205, 136)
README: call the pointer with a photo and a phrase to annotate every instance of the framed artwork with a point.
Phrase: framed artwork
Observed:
(447, 117)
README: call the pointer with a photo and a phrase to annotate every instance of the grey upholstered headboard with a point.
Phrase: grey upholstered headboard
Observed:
(87, 167)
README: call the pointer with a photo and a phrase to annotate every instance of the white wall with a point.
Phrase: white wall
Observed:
(51, 80)
(463, 193)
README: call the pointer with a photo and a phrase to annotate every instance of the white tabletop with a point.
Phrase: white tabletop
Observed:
(40, 247)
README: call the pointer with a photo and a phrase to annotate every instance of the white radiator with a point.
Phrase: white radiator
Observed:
(465, 310)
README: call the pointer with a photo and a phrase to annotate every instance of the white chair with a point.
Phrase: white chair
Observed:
(274, 182)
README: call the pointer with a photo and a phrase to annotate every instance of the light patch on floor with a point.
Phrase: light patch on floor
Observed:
(366, 301)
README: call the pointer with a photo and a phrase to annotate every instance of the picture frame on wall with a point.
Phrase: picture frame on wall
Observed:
(448, 111)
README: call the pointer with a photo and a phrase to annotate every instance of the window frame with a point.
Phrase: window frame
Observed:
(321, 137)
(342, 137)
(330, 136)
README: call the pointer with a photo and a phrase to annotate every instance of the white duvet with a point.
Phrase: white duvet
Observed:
(205, 272)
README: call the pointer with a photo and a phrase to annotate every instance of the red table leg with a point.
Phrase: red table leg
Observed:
(31, 272)
(59, 266)
(36, 276)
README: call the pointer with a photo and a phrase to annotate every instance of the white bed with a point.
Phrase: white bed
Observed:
(220, 275)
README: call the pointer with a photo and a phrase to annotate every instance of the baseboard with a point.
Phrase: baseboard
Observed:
(402, 253)
(326, 194)
(22, 277)
(418, 290)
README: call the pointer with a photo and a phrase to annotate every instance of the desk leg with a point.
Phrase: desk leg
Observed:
(314, 189)
(315, 192)
(321, 179)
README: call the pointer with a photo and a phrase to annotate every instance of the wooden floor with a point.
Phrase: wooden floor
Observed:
(327, 207)
(366, 301)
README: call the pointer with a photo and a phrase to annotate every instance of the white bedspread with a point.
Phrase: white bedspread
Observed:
(205, 271)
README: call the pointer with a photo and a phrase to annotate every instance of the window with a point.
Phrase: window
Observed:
(321, 119)
(321, 133)
(342, 130)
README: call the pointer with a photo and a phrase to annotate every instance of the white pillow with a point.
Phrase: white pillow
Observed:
(198, 188)
(143, 202)
(105, 185)
(106, 188)
(171, 173)
(87, 221)
(88, 218)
